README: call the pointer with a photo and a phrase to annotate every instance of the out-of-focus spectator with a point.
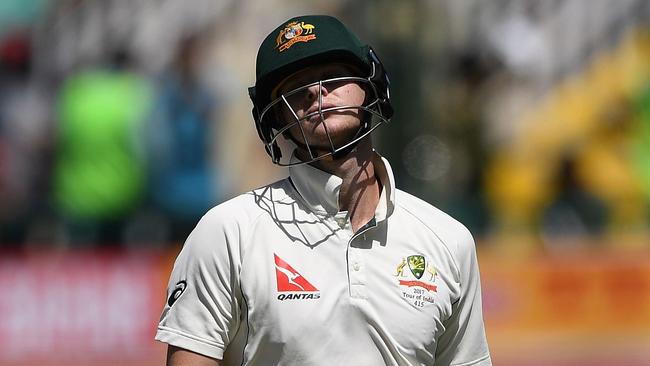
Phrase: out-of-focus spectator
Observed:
(183, 184)
(574, 212)
(605, 166)
(99, 176)
(640, 144)
(25, 139)
(461, 123)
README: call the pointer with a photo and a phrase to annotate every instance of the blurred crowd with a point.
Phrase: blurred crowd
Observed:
(96, 148)
(122, 122)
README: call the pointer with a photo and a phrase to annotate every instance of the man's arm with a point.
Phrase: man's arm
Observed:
(463, 341)
(203, 310)
(182, 357)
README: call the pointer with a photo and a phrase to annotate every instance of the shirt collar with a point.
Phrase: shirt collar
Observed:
(320, 189)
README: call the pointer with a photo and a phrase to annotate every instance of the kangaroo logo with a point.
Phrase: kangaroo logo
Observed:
(289, 280)
(400, 268)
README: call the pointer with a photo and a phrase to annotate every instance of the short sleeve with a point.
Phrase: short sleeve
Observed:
(463, 341)
(202, 311)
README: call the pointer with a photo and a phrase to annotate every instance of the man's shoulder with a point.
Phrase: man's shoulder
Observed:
(426, 212)
(450, 231)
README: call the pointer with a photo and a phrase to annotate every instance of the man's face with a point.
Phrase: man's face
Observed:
(341, 125)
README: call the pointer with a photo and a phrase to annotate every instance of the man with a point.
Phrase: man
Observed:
(332, 265)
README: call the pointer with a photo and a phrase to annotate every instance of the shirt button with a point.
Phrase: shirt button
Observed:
(356, 266)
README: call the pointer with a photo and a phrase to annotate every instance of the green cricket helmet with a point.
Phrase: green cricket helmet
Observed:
(300, 43)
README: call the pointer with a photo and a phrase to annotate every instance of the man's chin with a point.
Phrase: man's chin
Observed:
(327, 151)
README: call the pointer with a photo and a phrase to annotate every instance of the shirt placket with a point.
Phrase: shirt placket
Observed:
(357, 273)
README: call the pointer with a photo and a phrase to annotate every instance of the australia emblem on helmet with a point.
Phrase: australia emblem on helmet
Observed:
(292, 33)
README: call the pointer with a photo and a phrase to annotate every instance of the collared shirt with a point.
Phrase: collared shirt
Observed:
(277, 276)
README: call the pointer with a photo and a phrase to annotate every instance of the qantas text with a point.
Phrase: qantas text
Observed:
(302, 296)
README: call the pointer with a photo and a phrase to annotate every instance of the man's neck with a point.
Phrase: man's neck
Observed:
(360, 189)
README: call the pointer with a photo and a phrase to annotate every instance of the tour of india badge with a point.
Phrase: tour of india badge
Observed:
(417, 279)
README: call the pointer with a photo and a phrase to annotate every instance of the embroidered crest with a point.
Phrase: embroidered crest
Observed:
(292, 33)
(416, 288)
(418, 266)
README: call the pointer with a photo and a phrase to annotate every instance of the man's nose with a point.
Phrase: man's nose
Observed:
(313, 91)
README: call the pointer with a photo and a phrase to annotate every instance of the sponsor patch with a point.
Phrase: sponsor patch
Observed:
(291, 284)
(288, 279)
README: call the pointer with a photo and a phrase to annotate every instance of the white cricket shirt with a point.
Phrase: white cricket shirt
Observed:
(277, 277)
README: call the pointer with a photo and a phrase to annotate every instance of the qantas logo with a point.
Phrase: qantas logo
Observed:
(289, 282)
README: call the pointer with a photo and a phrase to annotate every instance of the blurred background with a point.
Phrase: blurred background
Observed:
(122, 122)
